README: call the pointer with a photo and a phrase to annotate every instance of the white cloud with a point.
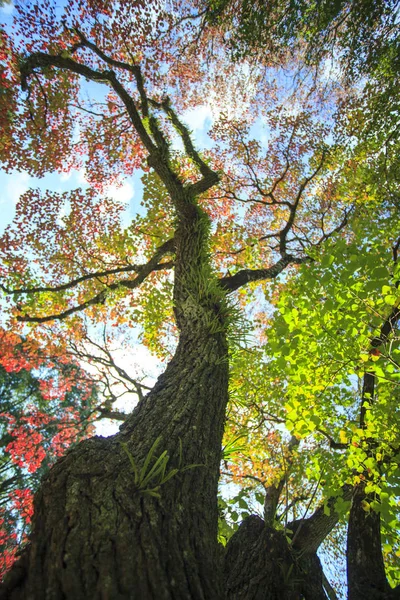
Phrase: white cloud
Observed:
(17, 185)
(196, 118)
(81, 177)
(66, 176)
(7, 9)
(121, 193)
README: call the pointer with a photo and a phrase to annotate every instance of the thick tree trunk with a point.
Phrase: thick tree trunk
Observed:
(97, 536)
(365, 568)
(261, 565)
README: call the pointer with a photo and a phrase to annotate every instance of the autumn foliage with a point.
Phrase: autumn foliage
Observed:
(47, 405)
(279, 239)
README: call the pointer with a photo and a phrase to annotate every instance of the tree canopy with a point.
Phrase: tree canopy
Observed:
(261, 271)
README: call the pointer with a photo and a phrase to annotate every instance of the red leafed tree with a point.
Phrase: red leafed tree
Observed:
(46, 406)
(100, 86)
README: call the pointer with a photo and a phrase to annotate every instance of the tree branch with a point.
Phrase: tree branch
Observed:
(273, 492)
(183, 131)
(310, 533)
(42, 60)
(245, 276)
(294, 206)
(158, 147)
(328, 588)
(109, 362)
(70, 284)
(142, 272)
(112, 414)
(134, 69)
(332, 443)
(209, 177)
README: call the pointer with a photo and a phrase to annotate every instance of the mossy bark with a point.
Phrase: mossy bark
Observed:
(96, 535)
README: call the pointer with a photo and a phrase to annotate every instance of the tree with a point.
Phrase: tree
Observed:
(359, 34)
(136, 514)
(46, 406)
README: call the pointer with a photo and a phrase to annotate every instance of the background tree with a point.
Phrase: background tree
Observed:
(46, 405)
(136, 514)
(359, 34)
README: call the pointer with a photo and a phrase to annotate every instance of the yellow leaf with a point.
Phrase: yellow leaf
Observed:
(365, 506)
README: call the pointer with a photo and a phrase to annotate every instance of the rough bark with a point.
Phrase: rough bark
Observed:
(96, 534)
(308, 534)
(256, 563)
(261, 565)
(365, 567)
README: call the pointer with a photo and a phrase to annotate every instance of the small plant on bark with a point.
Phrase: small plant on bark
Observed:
(154, 475)
(150, 478)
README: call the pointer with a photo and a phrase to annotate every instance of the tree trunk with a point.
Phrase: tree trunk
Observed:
(260, 564)
(99, 535)
(365, 568)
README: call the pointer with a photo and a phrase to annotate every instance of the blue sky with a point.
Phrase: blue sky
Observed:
(129, 193)
(12, 185)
